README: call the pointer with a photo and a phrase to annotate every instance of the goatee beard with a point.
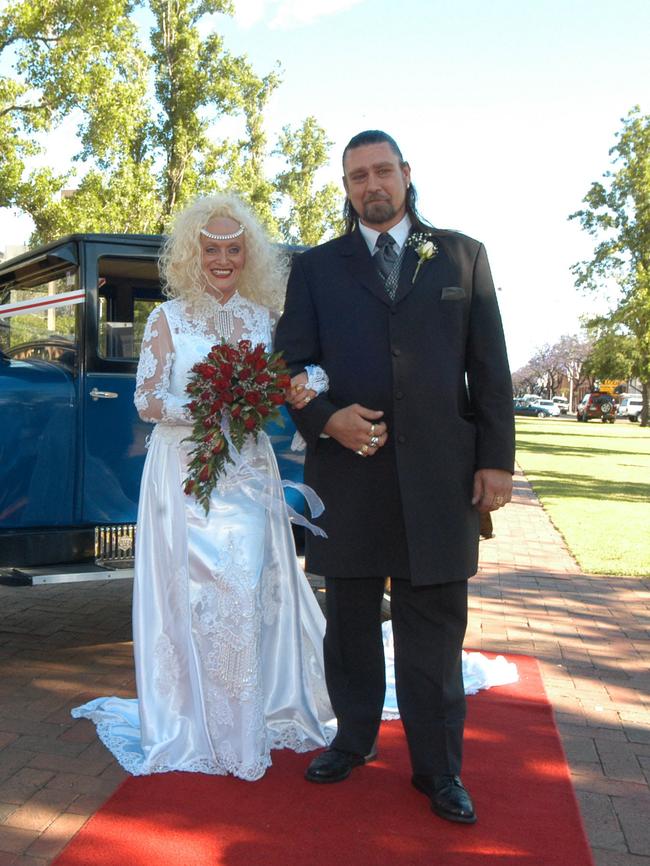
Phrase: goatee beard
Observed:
(378, 212)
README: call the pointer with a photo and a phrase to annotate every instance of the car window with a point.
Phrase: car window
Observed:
(41, 319)
(129, 289)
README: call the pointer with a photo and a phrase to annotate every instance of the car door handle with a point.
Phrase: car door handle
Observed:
(105, 395)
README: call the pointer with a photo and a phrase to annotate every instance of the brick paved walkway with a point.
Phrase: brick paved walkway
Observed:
(62, 645)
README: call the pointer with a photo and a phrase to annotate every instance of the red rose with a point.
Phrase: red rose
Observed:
(205, 396)
(245, 373)
(250, 423)
(263, 410)
(192, 406)
(276, 398)
(236, 411)
(253, 398)
(260, 364)
(204, 474)
(218, 446)
(221, 383)
(226, 370)
(216, 407)
(203, 457)
(208, 437)
(239, 391)
(189, 486)
(262, 378)
(207, 423)
(227, 397)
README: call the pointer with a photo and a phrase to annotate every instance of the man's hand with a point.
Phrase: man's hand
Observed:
(492, 489)
(297, 395)
(358, 429)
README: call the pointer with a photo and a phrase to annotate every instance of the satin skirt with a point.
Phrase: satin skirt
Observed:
(227, 632)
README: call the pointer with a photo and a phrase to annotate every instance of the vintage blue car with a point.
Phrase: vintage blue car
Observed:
(72, 447)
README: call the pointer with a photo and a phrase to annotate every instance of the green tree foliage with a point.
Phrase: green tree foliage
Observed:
(311, 212)
(617, 215)
(147, 109)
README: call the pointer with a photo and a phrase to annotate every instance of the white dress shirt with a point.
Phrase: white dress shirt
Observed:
(399, 234)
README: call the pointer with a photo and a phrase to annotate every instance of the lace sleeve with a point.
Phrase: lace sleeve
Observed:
(152, 397)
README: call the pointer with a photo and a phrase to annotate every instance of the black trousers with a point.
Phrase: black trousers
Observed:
(429, 624)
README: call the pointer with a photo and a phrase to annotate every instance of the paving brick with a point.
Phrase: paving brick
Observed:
(57, 835)
(24, 784)
(15, 840)
(601, 821)
(634, 815)
(40, 810)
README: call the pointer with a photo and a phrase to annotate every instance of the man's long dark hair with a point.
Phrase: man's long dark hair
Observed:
(376, 136)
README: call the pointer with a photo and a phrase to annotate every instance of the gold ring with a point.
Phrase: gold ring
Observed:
(364, 449)
(307, 399)
(360, 453)
(498, 500)
(372, 429)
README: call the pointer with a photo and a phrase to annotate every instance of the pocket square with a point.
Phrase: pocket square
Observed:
(452, 293)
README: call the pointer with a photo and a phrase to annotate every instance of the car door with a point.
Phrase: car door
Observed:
(123, 288)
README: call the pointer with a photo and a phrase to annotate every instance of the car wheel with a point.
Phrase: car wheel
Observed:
(633, 418)
(541, 414)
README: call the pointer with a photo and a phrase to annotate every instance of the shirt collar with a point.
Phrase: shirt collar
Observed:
(399, 233)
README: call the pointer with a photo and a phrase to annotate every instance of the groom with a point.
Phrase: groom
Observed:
(413, 439)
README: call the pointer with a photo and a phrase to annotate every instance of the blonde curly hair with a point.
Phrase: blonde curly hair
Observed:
(264, 276)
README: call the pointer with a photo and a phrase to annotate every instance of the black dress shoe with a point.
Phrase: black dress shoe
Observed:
(334, 765)
(449, 799)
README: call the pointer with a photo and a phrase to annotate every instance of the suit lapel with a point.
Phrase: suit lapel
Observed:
(362, 268)
(426, 273)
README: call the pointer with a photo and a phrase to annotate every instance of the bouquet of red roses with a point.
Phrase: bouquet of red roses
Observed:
(242, 384)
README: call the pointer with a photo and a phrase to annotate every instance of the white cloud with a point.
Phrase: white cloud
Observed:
(288, 14)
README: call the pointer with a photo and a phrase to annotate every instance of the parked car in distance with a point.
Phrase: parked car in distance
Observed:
(631, 407)
(598, 404)
(552, 407)
(532, 410)
(562, 403)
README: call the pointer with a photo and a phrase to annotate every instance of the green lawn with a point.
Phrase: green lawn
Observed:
(594, 482)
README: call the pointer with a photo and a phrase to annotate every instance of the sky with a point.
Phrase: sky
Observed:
(506, 111)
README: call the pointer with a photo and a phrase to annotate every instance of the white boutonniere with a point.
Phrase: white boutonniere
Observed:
(425, 247)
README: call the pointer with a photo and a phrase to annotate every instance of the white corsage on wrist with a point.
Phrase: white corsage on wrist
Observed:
(425, 247)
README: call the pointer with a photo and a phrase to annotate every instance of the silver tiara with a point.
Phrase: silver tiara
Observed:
(230, 237)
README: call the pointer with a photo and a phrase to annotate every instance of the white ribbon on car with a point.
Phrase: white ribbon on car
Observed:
(46, 302)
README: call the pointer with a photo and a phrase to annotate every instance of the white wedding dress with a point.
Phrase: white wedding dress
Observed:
(227, 632)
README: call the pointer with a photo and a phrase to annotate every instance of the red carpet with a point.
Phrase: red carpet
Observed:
(514, 767)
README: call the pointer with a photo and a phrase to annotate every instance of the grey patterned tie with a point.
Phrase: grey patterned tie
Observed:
(385, 255)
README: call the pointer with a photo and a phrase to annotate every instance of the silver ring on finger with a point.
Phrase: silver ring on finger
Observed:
(360, 453)
(374, 441)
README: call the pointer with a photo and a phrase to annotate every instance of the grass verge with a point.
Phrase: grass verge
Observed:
(594, 481)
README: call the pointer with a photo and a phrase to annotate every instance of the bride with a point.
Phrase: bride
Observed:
(227, 632)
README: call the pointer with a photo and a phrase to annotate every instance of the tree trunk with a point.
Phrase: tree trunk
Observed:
(645, 389)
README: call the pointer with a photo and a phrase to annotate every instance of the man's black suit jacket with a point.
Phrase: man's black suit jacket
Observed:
(434, 360)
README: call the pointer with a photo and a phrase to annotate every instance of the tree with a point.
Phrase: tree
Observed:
(525, 381)
(312, 212)
(617, 215)
(547, 367)
(147, 112)
(571, 353)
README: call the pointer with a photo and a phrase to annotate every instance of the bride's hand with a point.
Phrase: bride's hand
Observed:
(298, 396)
